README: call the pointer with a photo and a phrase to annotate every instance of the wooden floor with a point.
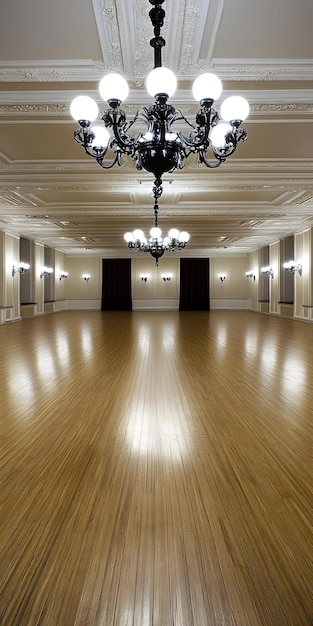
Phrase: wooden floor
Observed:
(156, 469)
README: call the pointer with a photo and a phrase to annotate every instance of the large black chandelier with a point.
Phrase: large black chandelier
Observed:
(156, 245)
(213, 136)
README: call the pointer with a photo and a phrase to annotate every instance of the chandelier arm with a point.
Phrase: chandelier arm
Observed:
(231, 143)
(180, 116)
(125, 146)
(211, 164)
(94, 153)
(115, 119)
(207, 119)
(117, 160)
(84, 136)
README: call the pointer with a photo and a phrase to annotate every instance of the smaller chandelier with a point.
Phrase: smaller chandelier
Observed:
(156, 245)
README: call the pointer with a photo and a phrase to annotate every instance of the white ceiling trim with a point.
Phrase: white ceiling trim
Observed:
(86, 70)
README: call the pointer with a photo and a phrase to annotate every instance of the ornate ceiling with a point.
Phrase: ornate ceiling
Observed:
(50, 191)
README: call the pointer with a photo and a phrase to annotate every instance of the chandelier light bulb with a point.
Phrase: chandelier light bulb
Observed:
(101, 137)
(128, 237)
(207, 87)
(84, 108)
(155, 232)
(183, 236)
(173, 233)
(113, 87)
(235, 108)
(161, 80)
(218, 135)
(171, 136)
(148, 136)
(138, 234)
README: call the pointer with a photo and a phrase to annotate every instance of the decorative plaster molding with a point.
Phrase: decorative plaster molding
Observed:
(9, 109)
(261, 70)
(284, 107)
(305, 197)
(94, 71)
(64, 71)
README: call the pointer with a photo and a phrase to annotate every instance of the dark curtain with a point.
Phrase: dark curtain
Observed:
(194, 285)
(116, 285)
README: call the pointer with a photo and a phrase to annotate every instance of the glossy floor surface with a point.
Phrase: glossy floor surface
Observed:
(156, 470)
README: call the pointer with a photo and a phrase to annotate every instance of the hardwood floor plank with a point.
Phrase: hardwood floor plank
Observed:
(156, 470)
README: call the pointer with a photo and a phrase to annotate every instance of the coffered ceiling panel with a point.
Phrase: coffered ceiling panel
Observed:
(28, 29)
(52, 192)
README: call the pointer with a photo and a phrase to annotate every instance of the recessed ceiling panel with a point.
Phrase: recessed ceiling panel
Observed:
(265, 30)
(234, 196)
(43, 30)
(69, 195)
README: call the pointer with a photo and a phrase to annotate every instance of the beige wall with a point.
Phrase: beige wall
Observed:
(76, 287)
(155, 293)
(10, 285)
(234, 291)
(237, 291)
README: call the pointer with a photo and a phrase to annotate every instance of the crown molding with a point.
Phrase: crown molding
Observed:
(84, 70)
(265, 70)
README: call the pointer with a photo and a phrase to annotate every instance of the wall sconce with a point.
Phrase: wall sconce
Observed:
(86, 277)
(46, 271)
(293, 267)
(268, 271)
(222, 277)
(144, 277)
(63, 275)
(250, 275)
(167, 277)
(20, 268)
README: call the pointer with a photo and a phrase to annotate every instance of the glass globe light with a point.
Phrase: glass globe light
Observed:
(101, 137)
(148, 136)
(128, 237)
(84, 108)
(207, 86)
(113, 87)
(161, 80)
(155, 232)
(166, 240)
(183, 237)
(173, 233)
(218, 135)
(138, 234)
(170, 136)
(235, 108)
